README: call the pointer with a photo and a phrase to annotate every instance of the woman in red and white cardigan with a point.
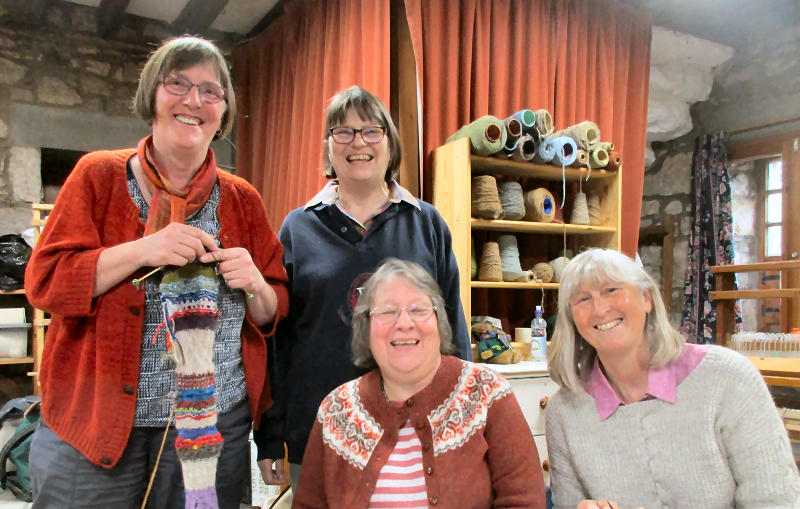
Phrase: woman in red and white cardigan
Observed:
(424, 428)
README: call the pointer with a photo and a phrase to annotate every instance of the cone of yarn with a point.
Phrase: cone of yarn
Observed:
(593, 206)
(598, 158)
(526, 148)
(566, 151)
(586, 134)
(473, 268)
(580, 210)
(487, 135)
(491, 268)
(558, 265)
(545, 151)
(509, 257)
(581, 159)
(539, 205)
(511, 200)
(543, 272)
(614, 161)
(544, 123)
(485, 200)
(606, 145)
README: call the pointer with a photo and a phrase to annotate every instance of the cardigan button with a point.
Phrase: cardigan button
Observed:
(105, 460)
(410, 402)
(426, 446)
(429, 471)
(128, 390)
(433, 500)
(134, 310)
(420, 424)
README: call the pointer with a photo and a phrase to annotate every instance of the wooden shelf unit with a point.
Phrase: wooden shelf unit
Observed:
(454, 167)
(40, 323)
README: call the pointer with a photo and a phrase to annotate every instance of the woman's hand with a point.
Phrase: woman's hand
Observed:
(236, 266)
(177, 244)
(273, 475)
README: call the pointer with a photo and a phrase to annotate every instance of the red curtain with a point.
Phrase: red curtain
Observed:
(284, 79)
(603, 75)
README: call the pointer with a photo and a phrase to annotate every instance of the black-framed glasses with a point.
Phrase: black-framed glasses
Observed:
(344, 135)
(389, 314)
(178, 85)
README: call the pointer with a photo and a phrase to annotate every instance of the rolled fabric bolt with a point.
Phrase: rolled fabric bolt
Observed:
(508, 149)
(545, 151)
(558, 265)
(527, 120)
(544, 123)
(539, 205)
(526, 148)
(566, 151)
(543, 272)
(511, 199)
(581, 159)
(509, 257)
(593, 206)
(513, 128)
(586, 134)
(606, 145)
(598, 158)
(485, 199)
(490, 268)
(487, 135)
(580, 211)
(614, 161)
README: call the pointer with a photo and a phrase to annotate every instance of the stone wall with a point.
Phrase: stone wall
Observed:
(63, 86)
(744, 198)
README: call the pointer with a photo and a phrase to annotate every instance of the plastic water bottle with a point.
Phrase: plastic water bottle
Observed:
(538, 337)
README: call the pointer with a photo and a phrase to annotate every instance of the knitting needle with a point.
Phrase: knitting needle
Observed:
(137, 282)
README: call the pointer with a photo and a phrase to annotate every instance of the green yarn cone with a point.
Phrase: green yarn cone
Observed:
(487, 135)
(473, 268)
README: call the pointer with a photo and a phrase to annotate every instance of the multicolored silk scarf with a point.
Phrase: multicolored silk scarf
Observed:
(189, 295)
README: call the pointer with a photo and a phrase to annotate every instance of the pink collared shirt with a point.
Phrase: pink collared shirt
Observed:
(662, 383)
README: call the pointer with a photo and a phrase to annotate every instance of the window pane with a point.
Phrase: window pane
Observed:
(774, 207)
(774, 241)
(775, 175)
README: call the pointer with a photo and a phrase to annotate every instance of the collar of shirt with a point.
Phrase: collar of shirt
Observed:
(662, 383)
(330, 193)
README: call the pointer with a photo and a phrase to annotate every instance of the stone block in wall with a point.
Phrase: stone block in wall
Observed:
(95, 85)
(15, 219)
(674, 207)
(743, 184)
(3, 130)
(680, 254)
(686, 225)
(10, 72)
(650, 207)
(99, 68)
(25, 172)
(52, 90)
(21, 95)
(6, 42)
(673, 178)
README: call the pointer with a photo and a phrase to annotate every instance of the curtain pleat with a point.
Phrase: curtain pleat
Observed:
(284, 79)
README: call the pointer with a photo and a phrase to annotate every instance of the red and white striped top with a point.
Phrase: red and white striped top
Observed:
(401, 482)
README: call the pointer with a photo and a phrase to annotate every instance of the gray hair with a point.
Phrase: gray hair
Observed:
(368, 107)
(571, 358)
(179, 54)
(414, 275)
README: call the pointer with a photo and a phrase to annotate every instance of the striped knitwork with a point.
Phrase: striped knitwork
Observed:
(401, 482)
(190, 295)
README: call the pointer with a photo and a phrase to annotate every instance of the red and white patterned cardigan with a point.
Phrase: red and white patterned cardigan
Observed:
(477, 449)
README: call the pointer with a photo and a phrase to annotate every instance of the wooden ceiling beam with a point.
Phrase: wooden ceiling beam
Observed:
(198, 15)
(110, 17)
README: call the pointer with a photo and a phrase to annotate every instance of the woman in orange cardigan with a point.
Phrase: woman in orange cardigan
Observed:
(108, 387)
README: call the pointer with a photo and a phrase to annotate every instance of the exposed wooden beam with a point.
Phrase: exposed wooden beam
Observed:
(269, 17)
(110, 16)
(198, 15)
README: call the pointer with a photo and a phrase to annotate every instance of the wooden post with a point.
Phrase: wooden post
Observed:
(725, 308)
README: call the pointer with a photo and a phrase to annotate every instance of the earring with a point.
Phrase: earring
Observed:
(219, 132)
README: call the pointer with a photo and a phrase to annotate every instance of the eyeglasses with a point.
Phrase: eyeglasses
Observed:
(178, 85)
(389, 314)
(346, 135)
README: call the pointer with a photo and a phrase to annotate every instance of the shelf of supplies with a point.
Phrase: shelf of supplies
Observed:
(756, 267)
(42, 206)
(21, 291)
(41, 323)
(511, 285)
(786, 293)
(507, 167)
(531, 227)
(9, 360)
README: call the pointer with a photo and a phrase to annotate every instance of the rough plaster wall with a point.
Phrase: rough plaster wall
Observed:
(759, 85)
(744, 198)
(62, 86)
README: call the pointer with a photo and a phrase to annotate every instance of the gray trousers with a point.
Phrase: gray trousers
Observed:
(62, 477)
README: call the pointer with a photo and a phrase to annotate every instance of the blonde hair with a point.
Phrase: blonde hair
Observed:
(571, 358)
(179, 54)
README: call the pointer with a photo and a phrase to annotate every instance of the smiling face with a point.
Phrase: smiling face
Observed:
(187, 122)
(358, 161)
(406, 351)
(611, 316)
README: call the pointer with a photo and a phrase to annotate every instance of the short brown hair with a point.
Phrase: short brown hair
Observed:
(368, 107)
(417, 277)
(179, 54)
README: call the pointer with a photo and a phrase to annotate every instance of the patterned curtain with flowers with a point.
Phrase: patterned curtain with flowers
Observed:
(711, 239)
